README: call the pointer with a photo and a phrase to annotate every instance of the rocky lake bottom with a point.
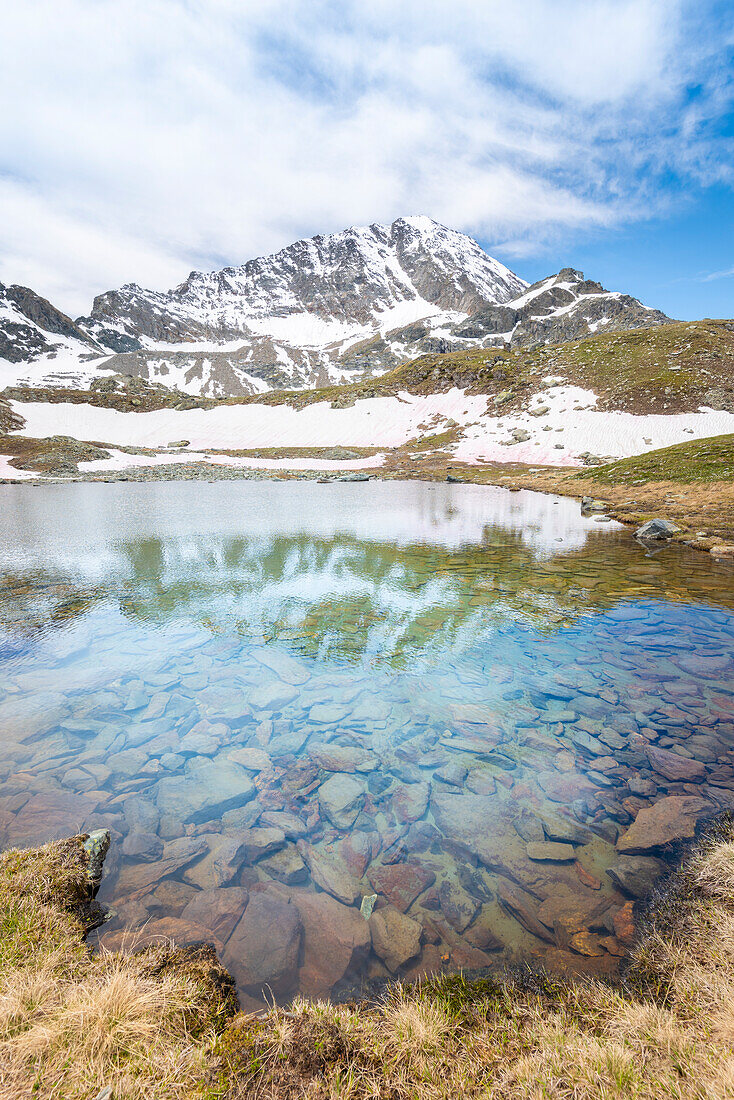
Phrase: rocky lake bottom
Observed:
(350, 732)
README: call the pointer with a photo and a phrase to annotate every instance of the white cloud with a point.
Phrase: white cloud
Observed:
(141, 138)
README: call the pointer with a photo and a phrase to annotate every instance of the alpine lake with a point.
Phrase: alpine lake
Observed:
(349, 732)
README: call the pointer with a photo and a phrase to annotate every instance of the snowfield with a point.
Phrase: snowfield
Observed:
(568, 426)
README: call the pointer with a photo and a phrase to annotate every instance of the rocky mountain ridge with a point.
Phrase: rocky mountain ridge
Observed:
(326, 310)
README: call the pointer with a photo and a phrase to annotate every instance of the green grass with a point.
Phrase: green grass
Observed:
(700, 460)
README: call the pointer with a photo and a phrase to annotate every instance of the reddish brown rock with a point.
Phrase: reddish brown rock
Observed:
(410, 801)
(217, 910)
(342, 758)
(675, 767)
(670, 819)
(401, 883)
(181, 931)
(624, 924)
(566, 787)
(262, 951)
(48, 816)
(336, 942)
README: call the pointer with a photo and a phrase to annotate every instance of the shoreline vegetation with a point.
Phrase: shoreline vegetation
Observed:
(163, 1023)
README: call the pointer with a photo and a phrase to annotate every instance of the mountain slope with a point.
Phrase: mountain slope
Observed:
(32, 330)
(327, 310)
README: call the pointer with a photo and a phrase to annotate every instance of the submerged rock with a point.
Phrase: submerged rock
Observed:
(262, 951)
(341, 798)
(206, 790)
(395, 937)
(336, 942)
(671, 819)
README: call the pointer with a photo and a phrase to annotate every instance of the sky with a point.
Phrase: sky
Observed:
(141, 139)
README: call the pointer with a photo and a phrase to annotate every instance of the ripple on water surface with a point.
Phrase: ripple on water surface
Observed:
(349, 732)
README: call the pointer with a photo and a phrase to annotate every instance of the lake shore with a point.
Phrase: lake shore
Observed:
(164, 1023)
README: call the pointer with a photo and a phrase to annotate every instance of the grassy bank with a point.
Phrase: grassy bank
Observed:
(162, 1023)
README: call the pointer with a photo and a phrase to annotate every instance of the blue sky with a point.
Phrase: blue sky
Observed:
(142, 138)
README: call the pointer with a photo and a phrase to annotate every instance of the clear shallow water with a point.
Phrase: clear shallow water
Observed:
(284, 698)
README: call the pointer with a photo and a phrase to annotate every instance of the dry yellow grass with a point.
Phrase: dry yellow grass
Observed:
(159, 1024)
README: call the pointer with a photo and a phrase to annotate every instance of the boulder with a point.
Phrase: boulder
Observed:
(259, 842)
(262, 951)
(48, 816)
(452, 774)
(206, 790)
(636, 875)
(671, 819)
(142, 846)
(340, 799)
(285, 866)
(160, 931)
(336, 942)
(221, 864)
(410, 801)
(291, 824)
(657, 529)
(395, 937)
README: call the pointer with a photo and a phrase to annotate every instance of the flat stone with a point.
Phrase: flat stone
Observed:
(292, 825)
(457, 905)
(675, 767)
(206, 790)
(410, 801)
(336, 942)
(252, 759)
(517, 903)
(160, 931)
(329, 871)
(671, 819)
(551, 850)
(342, 758)
(565, 787)
(52, 815)
(262, 951)
(287, 668)
(273, 696)
(142, 846)
(395, 937)
(636, 875)
(218, 910)
(169, 898)
(401, 883)
(341, 798)
(176, 855)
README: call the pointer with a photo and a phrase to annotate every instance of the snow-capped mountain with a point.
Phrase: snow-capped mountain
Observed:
(34, 331)
(323, 310)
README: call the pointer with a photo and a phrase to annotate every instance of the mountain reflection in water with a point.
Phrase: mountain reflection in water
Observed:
(284, 698)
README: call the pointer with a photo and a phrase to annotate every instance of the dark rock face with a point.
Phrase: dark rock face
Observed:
(33, 322)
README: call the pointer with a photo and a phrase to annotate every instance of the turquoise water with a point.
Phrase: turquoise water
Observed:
(284, 699)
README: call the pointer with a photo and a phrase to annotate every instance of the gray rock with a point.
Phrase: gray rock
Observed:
(142, 846)
(96, 846)
(636, 875)
(657, 529)
(340, 799)
(285, 866)
(206, 791)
